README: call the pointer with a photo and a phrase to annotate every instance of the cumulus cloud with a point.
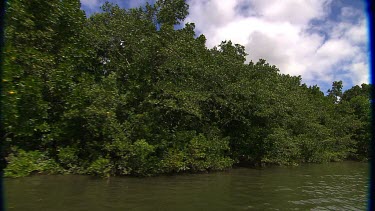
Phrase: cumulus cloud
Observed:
(298, 36)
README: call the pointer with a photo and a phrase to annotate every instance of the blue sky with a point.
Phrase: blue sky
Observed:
(321, 40)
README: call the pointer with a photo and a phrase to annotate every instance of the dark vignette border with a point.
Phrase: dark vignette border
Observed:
(371, 17)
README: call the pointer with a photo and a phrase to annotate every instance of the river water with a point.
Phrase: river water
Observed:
(332, 186)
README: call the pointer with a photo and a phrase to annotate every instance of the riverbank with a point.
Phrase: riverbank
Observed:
(36, 163)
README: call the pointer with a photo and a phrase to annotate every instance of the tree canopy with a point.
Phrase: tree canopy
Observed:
(124, 93)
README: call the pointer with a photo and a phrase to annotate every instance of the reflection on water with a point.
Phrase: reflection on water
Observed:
(333, 186)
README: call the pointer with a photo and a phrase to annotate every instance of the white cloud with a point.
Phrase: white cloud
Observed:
(281, 31)
(292, 11)
(359, 72)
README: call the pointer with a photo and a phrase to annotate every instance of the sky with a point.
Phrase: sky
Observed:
(321, 40)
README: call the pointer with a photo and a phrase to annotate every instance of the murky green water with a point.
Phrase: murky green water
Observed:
(333, 186)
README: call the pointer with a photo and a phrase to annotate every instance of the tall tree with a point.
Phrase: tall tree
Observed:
(336, 91)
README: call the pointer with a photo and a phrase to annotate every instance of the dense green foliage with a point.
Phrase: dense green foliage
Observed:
(124, 93)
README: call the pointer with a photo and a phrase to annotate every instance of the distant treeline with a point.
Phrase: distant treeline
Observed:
(124, 93)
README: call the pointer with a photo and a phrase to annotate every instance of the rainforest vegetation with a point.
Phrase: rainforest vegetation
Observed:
(123, 92)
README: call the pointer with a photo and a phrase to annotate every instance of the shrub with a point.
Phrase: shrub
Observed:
(22, 163)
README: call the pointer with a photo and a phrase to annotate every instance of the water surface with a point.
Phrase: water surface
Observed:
(332, 186)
